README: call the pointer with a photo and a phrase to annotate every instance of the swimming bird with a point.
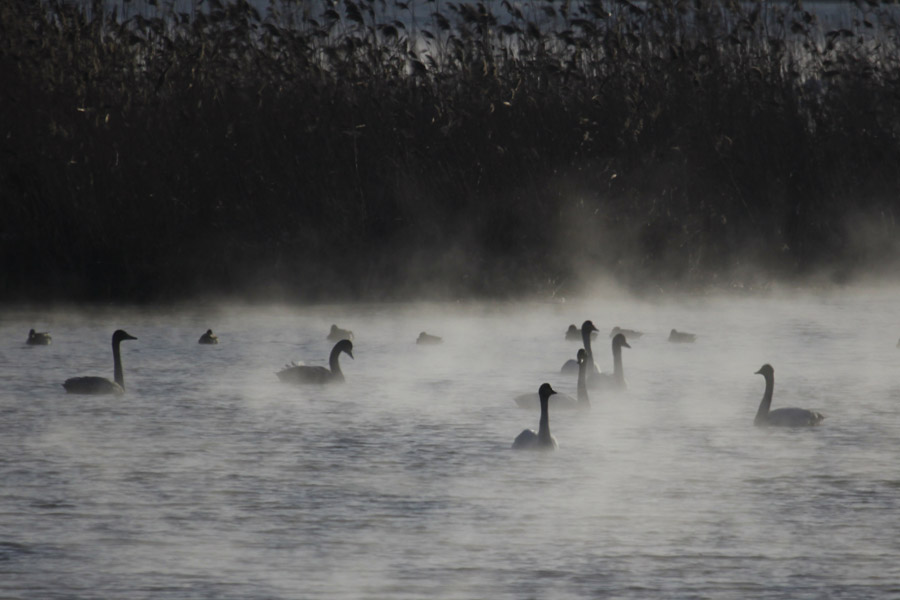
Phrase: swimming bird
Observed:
(336, 334)
(616, 379)
(571, 365)
(782, 417)
(306, 374)
(573, 334)
(681, 337)
(37, 338)
(101, 385)
(542, 440)
(427, 339)
(563, 401)
(629, 333)
(208, 338)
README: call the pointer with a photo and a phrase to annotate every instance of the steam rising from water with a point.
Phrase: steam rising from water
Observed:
(210, 478)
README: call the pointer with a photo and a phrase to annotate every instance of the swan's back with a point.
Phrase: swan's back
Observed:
(307, 374)
(92, 385)
(793, 417)
(38, 338)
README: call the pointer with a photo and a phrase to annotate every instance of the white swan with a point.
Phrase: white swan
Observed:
(337, 334)
(305, 374)
(681, 337)
(571, 365)
(427, 339)
(782, 417)
(101, 385)
(616, 379)
(563, 401)
(208, 338)
(542, 440)
(38, 338)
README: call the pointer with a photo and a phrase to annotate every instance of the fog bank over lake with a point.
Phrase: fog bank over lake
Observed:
(210, 478)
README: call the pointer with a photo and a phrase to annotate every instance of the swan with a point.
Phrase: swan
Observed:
(37, 338)
(208, 338)
(337, 334)
(563, 401)
(616, 379)
(542, 440)
(101, 385)
(783, 417)
(571, 365)
(573, 334)
(305, 374)
(425, 338)
(681, 337)
(629, 333)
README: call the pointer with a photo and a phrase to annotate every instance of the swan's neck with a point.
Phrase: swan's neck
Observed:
(763, 413)
(335, 364)
(586, 340)
(118, 375)
(583, 399)
(544, 429)
(618, 371)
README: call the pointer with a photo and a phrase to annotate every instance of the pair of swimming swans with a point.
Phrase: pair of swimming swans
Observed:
(596, 379)
(782, 417)
(319, 375)
(101, 385)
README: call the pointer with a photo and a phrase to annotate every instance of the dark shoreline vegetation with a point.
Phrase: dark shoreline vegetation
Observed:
(361, 151)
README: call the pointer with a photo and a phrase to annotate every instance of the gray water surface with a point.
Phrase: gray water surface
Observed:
(211, 479)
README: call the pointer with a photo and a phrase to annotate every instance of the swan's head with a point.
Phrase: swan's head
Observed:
(620, 342)
(588, 326)
(31, 333)
(766, 371)
(120, 335)
(545, 391)
(571, 329)
(209, 332)
(581, 356)
(345, 346)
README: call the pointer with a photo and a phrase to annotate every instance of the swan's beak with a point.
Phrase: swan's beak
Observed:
(758, 372)
(129, 337)
(625, 345)
(350, 354)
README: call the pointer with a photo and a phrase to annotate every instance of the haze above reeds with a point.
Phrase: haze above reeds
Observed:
(369, 150)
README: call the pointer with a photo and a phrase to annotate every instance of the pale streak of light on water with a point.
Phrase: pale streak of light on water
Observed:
(210, 479)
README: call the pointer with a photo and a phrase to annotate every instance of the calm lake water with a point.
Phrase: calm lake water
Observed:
(211, 479)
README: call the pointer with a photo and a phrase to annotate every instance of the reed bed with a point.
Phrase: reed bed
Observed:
(371, 149)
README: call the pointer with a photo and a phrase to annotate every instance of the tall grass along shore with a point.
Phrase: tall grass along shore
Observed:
(383, 149)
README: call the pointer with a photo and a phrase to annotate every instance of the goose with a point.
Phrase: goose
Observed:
(542, 440)
(681, 337)
(101, 385)
(208, 338)
(571, 365)
(573, 334)
(428, 339)
(563, 401)
(38, 338)
(616, 379)
(782, 417)
(337, 334)
(305, 374)
(629, 333)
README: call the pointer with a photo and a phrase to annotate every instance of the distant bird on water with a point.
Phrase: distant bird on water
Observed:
(37, 338)
(542, 440)
(101, 385)
(629, 333)
(336, 334)
(427, 339)
(319, 375)
(573, 334)
(681, 337)
(208, 338)
(782, 417)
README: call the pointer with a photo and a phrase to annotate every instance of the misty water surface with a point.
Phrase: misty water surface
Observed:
(211, 479)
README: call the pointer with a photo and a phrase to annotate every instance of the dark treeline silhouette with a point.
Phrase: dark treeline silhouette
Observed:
(361, 149)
